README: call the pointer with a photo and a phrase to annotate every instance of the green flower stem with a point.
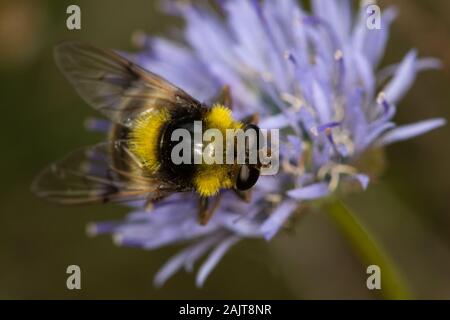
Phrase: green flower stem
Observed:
(392, 286)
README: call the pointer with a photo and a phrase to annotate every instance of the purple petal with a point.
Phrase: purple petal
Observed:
(241, 225)
(403, 79)
(200, 249)
(311, 192)
(372, 43)
(99, 228)
(363, 180)
(376, 132)
(98, 125)
(278, 121)
(214, 258)
(276, 220)
(337, 13)
(330, 125)
(410, 131)
(422, 64)
(170, 267)
(179, 65)
(186, 257)
(365, 74)
(321, 103)
(296, 145)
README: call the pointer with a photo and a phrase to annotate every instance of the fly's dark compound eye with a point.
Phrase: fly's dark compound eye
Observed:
(247, 177)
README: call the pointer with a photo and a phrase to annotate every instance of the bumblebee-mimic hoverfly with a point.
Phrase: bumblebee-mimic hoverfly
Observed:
(135, 162)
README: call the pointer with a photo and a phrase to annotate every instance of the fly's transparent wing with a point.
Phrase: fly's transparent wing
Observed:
(101, 173)
(115, 86)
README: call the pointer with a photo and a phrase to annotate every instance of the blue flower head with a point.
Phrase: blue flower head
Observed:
(313, 75)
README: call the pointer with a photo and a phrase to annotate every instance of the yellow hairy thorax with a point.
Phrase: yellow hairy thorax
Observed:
(210, 178)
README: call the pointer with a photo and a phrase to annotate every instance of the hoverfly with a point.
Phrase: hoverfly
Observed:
(135, 162)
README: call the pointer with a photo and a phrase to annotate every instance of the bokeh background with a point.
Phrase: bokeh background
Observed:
(407, 210)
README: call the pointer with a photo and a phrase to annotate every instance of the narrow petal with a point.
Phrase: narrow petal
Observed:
(171, 267)
(96, 229)
(403, 79)
(278, 121)
(98, 125)
(321, 103)
(295, 146)
(365, 73)
(376, 132)
(372, 43)
(214, 258)
(186, 258)
(422, 64)
(410, 131)
(337, 13)
(241, 225)
(199, 250)
(276, 220)
(363, 180)
(311, 192)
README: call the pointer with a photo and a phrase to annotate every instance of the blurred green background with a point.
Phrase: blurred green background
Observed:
(407, 209)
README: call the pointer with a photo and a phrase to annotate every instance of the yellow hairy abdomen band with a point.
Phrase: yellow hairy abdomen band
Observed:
(145, 137)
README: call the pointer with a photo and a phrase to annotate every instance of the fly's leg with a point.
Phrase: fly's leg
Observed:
(245, 196)
(251, 119)
(224, 98)
(159, 195)
(206, 208)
